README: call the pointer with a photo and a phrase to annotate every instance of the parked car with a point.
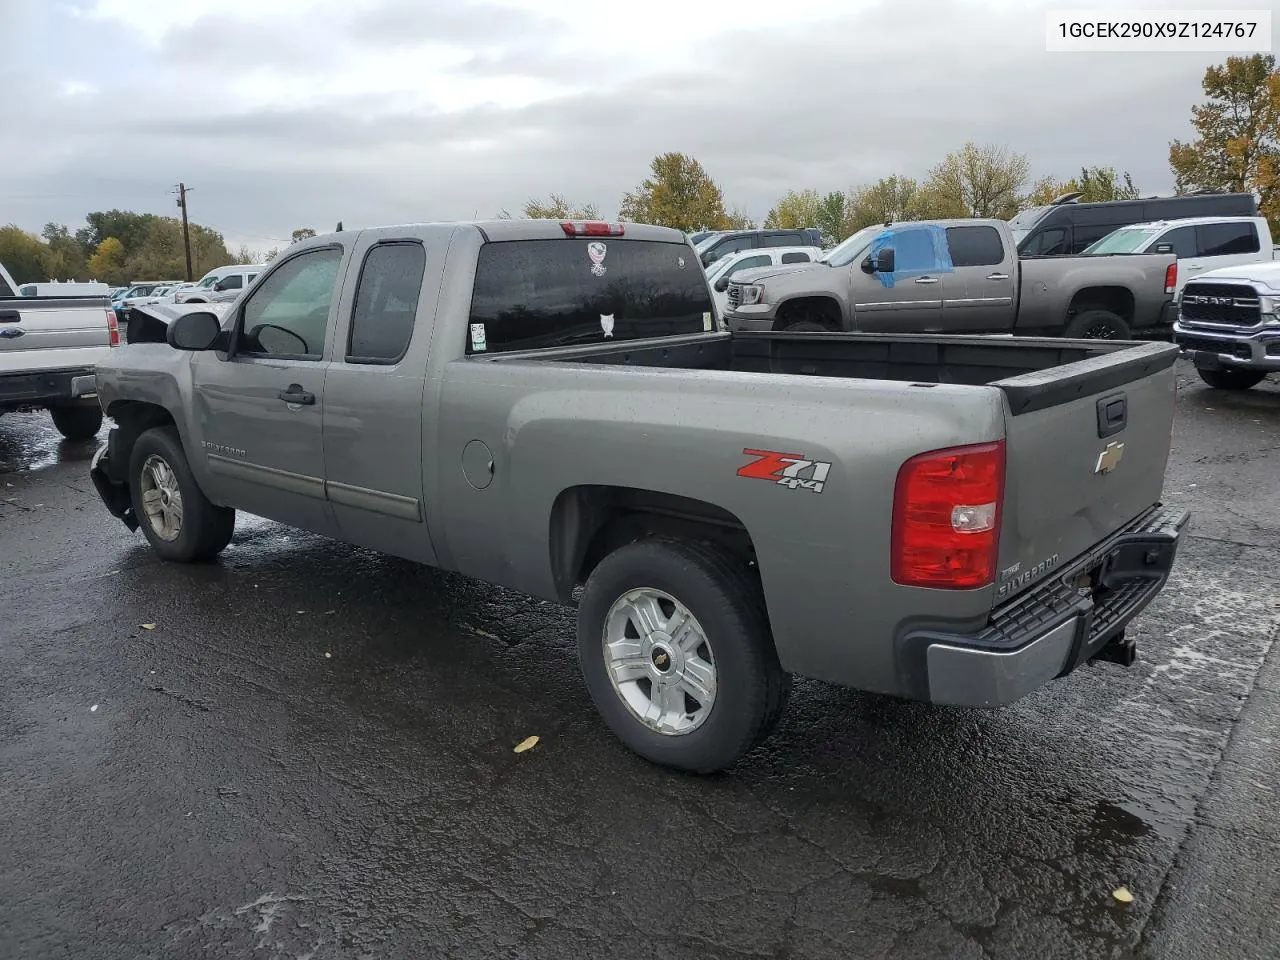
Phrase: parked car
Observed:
(724, 269)
(48, 349)
(1229, 325)
(547, 407)
(222, 284)
(717, 245)
(1201, 244)
(1067, 226)
(64, 288)
(957, 276)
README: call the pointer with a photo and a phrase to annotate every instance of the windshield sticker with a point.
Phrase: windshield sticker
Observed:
(477, 337)
(706, 322)
(596, 251)
(606, 320)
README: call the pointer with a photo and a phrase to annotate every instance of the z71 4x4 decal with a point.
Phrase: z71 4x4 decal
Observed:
(790, 470)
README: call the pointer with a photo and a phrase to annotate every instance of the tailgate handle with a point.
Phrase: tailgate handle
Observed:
(1113, 414)
(10, 316)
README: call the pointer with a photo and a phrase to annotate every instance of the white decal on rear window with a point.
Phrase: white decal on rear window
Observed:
(596, 251)
(477, 336)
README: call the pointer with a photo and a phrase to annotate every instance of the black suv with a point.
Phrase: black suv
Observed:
(712, 246)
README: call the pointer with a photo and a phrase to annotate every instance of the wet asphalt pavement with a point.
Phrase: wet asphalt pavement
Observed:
(309, 755)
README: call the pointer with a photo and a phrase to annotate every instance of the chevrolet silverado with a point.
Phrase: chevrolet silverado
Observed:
(552, 406)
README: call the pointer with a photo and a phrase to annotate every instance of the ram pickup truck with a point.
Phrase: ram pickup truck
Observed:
(48, 349)
(551, 406)
(958, 276)
(1229, 325)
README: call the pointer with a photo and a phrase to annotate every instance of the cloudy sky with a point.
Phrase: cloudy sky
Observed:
(290, 113)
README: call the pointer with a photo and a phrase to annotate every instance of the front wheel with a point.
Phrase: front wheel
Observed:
(178, 520)
(677, 654)
(1231, 378)
(77, 423)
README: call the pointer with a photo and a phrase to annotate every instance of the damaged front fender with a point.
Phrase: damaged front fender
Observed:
(113, 491)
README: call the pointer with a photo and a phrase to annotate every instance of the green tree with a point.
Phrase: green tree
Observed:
(737, 219)
(107, 263)
(303, 233)
(64, 258)
(975, 181)
(796, 210)
(888, 200)
(558, 208)
(678, 194)
(23, 255)
(1237, 145)
(832, 212)
(1095, 185)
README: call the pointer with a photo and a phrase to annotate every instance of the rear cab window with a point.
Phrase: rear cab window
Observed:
(531, 294)
(978, 246)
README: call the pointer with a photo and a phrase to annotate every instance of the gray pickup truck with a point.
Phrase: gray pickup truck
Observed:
(958, 276)
(48, 349)
(1229, 325)
(551, 406)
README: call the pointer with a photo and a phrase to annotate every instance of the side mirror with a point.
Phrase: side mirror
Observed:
(218, 286)
(1164, 248)
(194, 331)
(722, 285)
(885, 261)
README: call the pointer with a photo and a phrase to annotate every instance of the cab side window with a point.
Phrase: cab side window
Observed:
(288, 314)
(386, 302)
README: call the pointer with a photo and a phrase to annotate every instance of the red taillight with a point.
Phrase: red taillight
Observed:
(946, 517)
(113, 327)
(590, 228)
(1171, 277)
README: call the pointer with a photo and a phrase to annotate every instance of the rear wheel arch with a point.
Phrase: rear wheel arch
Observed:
(590, 522)
(1117, 300)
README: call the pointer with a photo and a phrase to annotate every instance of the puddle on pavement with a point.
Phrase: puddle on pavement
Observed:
(1112, 826)
(29, 442)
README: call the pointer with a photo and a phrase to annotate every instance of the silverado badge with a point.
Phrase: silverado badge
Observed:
(1109, 458)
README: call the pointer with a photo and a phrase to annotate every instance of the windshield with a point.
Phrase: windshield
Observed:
(1026, 219)
(705, 243)
(208, 282)
(1126, 240)
(845, 252)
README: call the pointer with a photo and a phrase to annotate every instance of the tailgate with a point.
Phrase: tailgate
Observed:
(52, 325)
(1086, 448)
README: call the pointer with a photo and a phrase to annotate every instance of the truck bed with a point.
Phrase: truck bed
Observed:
(1020, 368)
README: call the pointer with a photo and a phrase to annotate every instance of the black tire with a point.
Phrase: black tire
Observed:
(725, 598)
(204, 529)
(1231, 378)
(79, 422)
(1097, 325)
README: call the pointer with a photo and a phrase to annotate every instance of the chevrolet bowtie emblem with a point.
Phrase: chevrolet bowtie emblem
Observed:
(1109, 458)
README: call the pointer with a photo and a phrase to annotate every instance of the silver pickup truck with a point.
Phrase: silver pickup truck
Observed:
(48, 349)
(551, 406)
(958, 276)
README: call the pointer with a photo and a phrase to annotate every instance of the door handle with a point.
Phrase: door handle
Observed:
(10, 316)
(927, 280)
(997, 276)
(295, 394)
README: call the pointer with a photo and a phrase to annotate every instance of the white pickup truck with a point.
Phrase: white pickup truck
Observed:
(49, 348)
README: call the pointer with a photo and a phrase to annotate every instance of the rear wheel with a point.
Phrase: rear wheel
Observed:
(1097, 325)
(805, 326)
(1230, 378)
(178, 520)
(677, 655)
(79, 422)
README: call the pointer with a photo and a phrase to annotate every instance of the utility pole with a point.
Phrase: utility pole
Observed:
(186, 230)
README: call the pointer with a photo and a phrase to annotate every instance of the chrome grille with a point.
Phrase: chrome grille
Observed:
(1221, 304)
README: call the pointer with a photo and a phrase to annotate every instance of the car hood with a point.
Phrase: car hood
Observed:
(1264, 274)
(757, 274)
